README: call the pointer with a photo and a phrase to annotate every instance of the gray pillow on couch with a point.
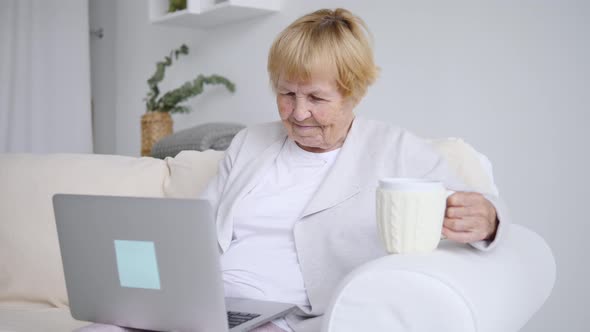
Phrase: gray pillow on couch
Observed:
(214, 136)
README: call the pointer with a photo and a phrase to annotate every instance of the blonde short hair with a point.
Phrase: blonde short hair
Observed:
(334, 40)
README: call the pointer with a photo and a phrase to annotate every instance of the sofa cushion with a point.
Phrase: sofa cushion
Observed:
(35, 318)
(190, 171)
(30, 262)
(471, 166)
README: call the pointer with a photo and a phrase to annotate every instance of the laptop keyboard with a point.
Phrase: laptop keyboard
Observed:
(236, 318)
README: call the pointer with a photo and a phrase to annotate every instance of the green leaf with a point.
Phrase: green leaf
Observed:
(180, 109)
(170, 100)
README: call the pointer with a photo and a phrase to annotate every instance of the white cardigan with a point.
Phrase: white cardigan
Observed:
(337, 231)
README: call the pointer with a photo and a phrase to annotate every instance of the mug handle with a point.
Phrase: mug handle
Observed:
(449, 193)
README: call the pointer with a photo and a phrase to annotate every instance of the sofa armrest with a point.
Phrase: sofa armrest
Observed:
(455, 288)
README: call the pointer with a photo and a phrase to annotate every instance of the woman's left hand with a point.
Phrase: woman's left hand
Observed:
(469, 217)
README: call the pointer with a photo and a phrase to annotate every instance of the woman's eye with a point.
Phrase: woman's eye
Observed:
(288, 93)
(316, 98)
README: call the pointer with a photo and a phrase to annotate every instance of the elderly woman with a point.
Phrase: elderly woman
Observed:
(295, 199)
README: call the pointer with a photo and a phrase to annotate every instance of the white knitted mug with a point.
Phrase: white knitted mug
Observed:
(410, 214)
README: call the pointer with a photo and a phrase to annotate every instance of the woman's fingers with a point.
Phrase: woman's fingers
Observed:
(462, 237)
(469, 217)
(458, 225)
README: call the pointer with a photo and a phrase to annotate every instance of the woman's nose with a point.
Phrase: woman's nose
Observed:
(300, 110)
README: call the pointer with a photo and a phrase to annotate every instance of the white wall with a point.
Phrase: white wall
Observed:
(512, 78)
(102, 15)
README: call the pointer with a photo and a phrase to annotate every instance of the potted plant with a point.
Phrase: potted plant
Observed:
(156, 123)
(174, 5)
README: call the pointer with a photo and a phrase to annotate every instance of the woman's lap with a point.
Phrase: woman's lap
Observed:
(268, 327)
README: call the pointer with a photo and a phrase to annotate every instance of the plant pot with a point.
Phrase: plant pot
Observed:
(154, 127)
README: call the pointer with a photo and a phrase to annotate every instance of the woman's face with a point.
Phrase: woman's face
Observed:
(316, 115)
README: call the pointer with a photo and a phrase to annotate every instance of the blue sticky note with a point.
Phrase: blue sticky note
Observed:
(137, 264)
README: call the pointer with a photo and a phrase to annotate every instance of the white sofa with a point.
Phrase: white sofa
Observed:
(456, 288)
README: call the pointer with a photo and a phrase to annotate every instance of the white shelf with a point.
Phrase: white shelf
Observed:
(208, 13)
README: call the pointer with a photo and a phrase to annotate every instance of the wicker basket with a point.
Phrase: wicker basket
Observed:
(154, 127)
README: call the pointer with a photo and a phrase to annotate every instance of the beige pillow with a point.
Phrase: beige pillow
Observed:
(190, 172)
(30, 262)
(471, 166)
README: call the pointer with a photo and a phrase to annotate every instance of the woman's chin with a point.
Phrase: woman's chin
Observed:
(308, 144)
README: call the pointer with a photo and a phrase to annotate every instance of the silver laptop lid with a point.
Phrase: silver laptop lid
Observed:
(149, 263)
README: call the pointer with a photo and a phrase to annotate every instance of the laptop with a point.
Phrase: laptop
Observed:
(149, 263)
